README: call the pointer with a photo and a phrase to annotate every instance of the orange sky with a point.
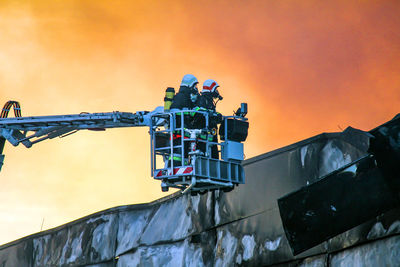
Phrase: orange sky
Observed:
(304, 67)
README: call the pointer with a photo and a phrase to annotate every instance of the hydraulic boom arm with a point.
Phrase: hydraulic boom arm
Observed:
(31, 130)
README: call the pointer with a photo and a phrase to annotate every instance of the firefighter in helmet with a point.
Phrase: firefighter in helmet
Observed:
(207, 102)
(185, 99)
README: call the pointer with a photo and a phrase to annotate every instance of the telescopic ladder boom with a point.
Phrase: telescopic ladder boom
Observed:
(31, 130)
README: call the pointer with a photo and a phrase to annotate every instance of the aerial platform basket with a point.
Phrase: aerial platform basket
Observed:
(187, 155)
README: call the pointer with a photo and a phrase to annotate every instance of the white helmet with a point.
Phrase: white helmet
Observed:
(209, 86)
(189, 80)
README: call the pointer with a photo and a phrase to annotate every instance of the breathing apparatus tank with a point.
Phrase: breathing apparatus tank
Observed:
(169, 96)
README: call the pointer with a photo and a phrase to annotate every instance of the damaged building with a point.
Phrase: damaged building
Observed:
(238, 228)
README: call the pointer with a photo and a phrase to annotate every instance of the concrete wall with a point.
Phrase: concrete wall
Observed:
(242, 227)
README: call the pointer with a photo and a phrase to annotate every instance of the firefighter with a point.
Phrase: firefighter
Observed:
(184, 99)
(206, 102)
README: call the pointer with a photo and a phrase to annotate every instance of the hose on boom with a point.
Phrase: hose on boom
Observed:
(6, 109)
(4, 114)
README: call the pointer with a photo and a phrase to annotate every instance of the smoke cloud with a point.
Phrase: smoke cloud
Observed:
(304, 67)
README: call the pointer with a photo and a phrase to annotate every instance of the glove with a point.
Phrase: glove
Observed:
(215, 119)
(219, 118)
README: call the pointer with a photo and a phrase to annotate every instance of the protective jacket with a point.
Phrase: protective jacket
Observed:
(182, 99)
(206, 101)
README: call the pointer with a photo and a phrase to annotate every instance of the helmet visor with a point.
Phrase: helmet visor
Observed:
(194, 88)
